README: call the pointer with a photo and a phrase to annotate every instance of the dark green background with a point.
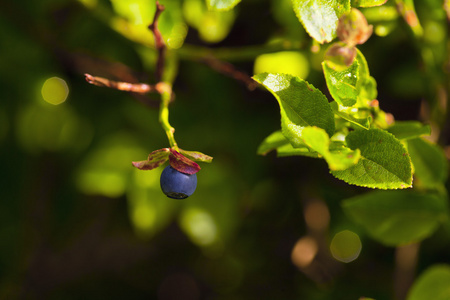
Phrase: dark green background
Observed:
(60, 243)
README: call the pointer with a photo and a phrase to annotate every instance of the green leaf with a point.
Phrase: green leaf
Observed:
(212, 25)
(429, 161)
(196, 156)
(432, 284)
(273, 141)
(404, 130)
(136, 15)
(221, 4)
(397, 217)
(320, 17)
(367, 3)
(318, 140)
(366, 85)
(288, 150)
(277, 141)
(384, 163)
(301, 105)
(342, 84)
(361, 122)
(316, 144)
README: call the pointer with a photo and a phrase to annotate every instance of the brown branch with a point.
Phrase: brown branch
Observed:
(159, 41)
(140, 88)
(231, 71)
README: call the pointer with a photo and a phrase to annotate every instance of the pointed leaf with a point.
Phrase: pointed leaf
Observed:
(320, 17)
(273, 141)
(367, 85)
(432, 284)
(397, 217)
(430, 163)
(288, 150)
(196, 156)
(384, 163)
(154, 160)
(301, 105)
(221, 4)
(182, 163)
(342, 83)
(404, 130)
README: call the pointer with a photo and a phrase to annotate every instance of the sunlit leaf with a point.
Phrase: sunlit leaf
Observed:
(318, 140)
(342, 83)
(397, 217)
(301, 105)
(222, 4)
(367, 3)
(361, 122)
(384, 163)
(432, 284)
(430, 163)
(320, 17)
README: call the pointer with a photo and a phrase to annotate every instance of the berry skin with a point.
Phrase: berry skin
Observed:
(177, 185)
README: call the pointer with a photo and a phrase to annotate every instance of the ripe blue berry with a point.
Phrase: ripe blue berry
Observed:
(177, 185)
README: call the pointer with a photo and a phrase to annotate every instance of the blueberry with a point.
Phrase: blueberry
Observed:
(177, 185)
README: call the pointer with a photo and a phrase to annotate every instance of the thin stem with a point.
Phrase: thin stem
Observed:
(231, 71)
(164, 88)
(140, 88)
(166, 97)
(159, 42)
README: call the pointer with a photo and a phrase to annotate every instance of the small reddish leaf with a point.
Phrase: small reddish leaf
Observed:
(182, 164)
(196, 156)
(341, 55)
(154, 160)
(353, 28)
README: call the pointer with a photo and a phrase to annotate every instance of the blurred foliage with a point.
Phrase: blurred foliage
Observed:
(77, 221)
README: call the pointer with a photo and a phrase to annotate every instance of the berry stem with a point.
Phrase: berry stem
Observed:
(166, 96)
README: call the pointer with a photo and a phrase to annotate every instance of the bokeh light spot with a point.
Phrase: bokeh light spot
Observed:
(144, 217)
(200, 226)
(55, 90)
(317, 215)
(346, 246)
(304, 252)
(289, 62)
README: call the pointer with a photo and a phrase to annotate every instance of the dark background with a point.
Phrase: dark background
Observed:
(74, 213)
